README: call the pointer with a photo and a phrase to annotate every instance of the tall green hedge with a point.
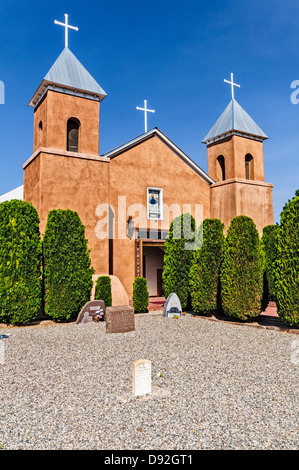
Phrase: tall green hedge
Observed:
(269, 242)
(241, 273)
(178, 257)
(287, 264)
(140, 295)
(67, 266)
(205, 270)
(20, 262)
(103, 290)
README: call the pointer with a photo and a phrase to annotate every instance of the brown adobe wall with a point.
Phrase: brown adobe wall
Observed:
(237, 196)
(151, 164)
(68, 181)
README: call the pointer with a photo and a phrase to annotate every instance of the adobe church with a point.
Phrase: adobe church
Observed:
(66, 171)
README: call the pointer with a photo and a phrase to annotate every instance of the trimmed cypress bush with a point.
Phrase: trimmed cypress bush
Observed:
(178, 257)
(241, 272)
(287, 264)
(20, 262)
(103, 290)
(140, 295)
(205, 269)
(67, 266)
(269, 242)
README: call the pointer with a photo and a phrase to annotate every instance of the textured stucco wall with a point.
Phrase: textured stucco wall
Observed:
(151, 164)
(242, 197)
(54, 112)
(65, 181)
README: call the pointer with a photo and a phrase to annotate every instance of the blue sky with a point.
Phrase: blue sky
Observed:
(174, 54)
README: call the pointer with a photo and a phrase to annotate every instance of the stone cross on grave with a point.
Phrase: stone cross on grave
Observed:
(146, 110)
(232, 84)
(67, 27)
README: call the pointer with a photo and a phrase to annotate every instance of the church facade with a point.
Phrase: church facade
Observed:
(127, 197)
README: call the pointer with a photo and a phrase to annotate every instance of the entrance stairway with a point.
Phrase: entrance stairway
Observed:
(156, 303)
(270, 318)
(271, 310)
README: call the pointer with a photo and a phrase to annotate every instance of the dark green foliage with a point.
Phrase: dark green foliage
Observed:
(205, 270)
(67, 269)
(269, 253)
(287, 265)
(177, 258)
(140, 295)
(20, 262)
(103, 290)
(241, 272)
(289, 200)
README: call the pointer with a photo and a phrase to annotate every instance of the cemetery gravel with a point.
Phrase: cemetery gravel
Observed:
(217, 386)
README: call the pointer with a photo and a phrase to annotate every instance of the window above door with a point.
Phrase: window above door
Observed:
(155, 203)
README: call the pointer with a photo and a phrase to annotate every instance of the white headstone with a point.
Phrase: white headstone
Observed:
(142, 377)
(172, 307)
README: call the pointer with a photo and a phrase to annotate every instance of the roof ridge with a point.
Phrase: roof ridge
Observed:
(156, 131)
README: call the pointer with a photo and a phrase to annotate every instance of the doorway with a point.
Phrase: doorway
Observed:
(153, 261)
(159, 283)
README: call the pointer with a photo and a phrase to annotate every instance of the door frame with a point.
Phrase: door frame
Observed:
(139, 253)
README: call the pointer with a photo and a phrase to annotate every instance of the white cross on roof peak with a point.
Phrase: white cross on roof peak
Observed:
(232, 84)
(67, 27)
(146, 110)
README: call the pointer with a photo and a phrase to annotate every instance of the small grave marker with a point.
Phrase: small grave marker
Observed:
(120, 319)
(142, 377)
(92, 309)
(172, 307)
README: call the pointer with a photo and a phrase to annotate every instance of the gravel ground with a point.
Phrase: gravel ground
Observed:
(229, 387)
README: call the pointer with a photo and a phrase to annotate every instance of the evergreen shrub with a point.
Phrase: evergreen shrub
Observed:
(241, 272)
(269, 242)
(287, 265)
(20, 262)
(103, 290)
(205, 270)
(67, 266)
(178, 257)
(140, 295)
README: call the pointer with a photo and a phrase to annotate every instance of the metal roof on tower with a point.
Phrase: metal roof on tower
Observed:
(234, 121)
(68, 75)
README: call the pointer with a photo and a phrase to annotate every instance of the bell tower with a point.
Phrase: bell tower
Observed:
(65, 170)
(67, 108)
(235, 146)
(236, 163)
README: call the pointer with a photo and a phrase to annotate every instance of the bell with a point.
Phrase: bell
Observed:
(153, 200)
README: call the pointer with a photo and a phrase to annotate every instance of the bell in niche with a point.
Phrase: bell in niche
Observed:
(153, 200)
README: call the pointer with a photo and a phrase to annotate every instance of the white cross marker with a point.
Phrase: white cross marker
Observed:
(145, 113)
(232, 84)
(67, 26)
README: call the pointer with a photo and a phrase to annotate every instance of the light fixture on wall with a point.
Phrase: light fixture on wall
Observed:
(131, 227)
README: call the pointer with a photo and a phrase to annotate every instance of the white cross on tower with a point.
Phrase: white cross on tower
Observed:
(232, 84)
(145, 113)
(67, 27)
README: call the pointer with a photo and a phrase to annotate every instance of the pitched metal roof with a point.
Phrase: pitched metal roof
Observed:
(156, 132)
(68, 74)
(234, 120)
